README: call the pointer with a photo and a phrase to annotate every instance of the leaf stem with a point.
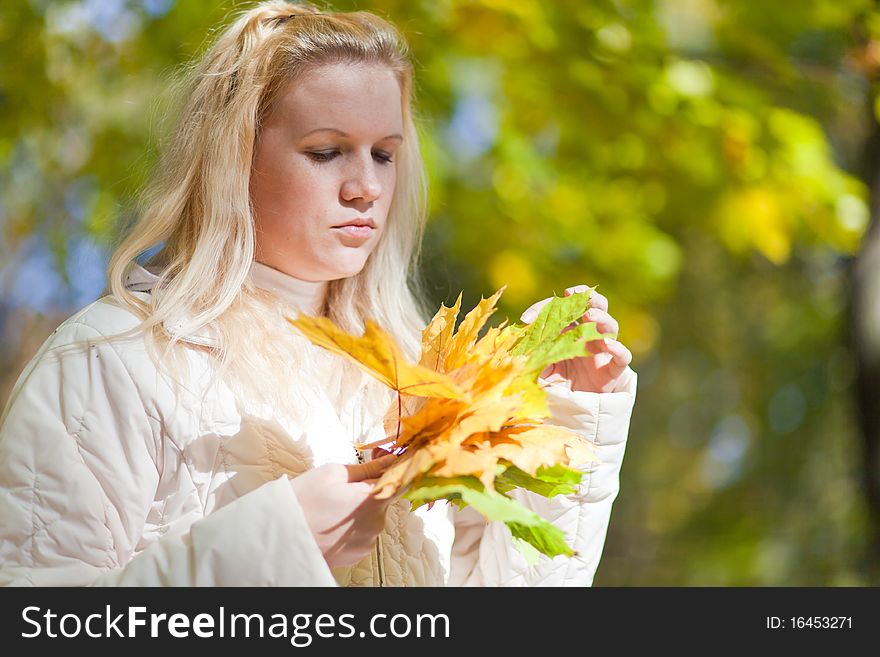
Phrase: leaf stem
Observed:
(399, 411)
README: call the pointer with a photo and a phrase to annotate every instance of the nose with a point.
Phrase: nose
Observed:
(361, 182)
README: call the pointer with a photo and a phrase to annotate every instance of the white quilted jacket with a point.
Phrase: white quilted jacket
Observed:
(105, 481)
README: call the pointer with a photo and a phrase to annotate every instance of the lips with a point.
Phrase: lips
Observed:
(360, 222)
(357, 231)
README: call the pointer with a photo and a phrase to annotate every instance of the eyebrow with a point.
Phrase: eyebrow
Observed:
(345, 134)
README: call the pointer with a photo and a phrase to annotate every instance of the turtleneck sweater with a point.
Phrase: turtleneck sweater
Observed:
(305, 296)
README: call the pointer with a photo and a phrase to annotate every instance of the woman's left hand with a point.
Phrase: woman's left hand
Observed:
(602, 370)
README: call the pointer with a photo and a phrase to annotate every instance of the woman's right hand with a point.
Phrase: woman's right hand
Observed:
(340, 509)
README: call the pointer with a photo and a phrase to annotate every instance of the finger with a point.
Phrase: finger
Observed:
(598, 301)
(621, 357)
(531, 313)
(605, 323)
(392, 448)
(370, 469)
(379, 452)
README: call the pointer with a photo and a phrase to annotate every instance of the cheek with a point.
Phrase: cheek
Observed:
(286, 191)
(389, 184)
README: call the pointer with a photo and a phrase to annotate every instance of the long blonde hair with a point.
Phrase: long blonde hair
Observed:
(198, 203)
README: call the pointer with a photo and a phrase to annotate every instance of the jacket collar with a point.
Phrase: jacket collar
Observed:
(302, 295)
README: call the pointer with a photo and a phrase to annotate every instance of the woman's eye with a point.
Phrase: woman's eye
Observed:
(322, 156)
(326, 156)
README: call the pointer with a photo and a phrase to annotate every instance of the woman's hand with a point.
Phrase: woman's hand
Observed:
(340, 509)
(603, 370)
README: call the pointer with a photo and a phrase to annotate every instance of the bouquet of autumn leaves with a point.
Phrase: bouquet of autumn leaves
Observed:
(476, 428)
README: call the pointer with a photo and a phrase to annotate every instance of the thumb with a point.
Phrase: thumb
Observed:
(370, 469)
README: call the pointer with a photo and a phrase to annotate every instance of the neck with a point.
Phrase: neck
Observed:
(305, 296)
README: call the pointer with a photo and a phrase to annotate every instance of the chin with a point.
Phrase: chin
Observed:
(347, 271)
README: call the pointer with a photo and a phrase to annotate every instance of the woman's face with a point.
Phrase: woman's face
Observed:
(326, 156)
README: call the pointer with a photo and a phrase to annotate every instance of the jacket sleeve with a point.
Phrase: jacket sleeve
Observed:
(483, 553)
(78, 475)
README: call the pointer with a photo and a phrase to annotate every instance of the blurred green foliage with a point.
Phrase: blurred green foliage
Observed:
(696, 159)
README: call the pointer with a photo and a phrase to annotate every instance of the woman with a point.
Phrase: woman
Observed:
(179, 432)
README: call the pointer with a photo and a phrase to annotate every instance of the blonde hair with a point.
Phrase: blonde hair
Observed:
(198, 204)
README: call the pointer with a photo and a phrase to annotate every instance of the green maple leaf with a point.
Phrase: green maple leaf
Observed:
(523, 523)
(548, 481)
(543, 341)
(567, 345)
(544, 537)
(553, 317)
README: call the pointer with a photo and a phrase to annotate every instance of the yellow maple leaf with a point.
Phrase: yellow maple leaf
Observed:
(495, 345)
(437, 336)
(431, 421)
(453, 461)
(479, 409)
(406, 469)
(467, 333)
(544, 445)
(404, 407)
(377, 353)
(534, 399)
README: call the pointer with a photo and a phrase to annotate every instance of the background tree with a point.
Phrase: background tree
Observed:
(865, 308)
